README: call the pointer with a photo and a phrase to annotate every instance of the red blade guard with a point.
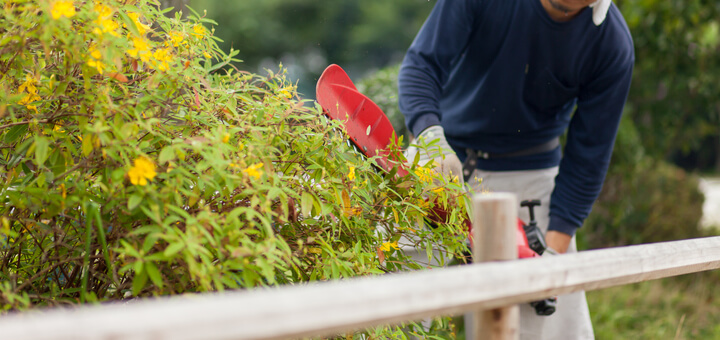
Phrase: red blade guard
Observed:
(365, 123)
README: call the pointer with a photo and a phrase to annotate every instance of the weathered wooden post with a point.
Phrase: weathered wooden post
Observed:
(494, 227)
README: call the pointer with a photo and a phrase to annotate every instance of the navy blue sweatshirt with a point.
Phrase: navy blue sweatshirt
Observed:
(502, 76)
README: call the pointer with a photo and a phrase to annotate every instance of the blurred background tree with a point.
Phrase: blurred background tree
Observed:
(674, 97)
(308, 35)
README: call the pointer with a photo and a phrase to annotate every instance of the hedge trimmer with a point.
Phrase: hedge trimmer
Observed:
(373, 135)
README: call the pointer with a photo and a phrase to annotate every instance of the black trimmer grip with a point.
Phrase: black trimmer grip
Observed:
(545, 307)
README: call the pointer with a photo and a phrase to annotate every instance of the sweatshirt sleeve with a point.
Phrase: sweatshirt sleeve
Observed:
(429, 59)
(590, 140)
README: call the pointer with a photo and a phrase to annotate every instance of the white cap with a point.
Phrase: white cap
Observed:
(600, 9)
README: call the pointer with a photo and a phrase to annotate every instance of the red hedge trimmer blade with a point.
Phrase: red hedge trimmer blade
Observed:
(364, 122)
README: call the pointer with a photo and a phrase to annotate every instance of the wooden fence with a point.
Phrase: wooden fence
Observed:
(324, 309)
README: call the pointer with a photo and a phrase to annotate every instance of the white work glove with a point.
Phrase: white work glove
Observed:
(600, 9)
(446, 161)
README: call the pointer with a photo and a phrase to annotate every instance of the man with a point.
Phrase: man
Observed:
(496, 82)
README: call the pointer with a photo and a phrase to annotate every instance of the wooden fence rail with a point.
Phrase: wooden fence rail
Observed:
(338, 307)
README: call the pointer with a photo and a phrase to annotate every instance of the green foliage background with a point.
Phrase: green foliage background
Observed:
(674, 95)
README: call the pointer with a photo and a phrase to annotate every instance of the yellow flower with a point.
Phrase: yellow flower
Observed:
(103, 11)
(351, 174)
(425, 174)
(104, 21)
(254, 170)
(62, 8)
(287, 91)
(348, 209)
(94, 61)
(96, 64)
(63, 190)
(142, 28)
(162, 57)
(142, 171)
(31, 96)
(106, 26)
(386, 246)
(226, 138)
(199, 31)
(141, 49)
(176, 38)
(423, 205)
(28, 85)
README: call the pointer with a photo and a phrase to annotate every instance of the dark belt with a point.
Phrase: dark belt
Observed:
(472, 155)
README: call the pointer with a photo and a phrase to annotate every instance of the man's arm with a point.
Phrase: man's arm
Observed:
(429, 59)
(557, 241)
(590, 140)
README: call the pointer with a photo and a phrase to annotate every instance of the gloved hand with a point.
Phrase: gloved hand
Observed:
(446, 161)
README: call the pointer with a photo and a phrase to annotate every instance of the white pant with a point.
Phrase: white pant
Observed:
(571, 320)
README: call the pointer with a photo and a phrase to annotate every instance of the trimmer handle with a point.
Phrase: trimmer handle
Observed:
(531, 204)
(535, 238)
(536, 241)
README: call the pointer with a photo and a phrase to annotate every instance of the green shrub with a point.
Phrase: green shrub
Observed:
(137, 163)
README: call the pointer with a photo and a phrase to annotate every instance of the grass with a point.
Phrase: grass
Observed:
(686, 307)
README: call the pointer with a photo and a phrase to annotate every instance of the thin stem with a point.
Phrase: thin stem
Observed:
(42, 272)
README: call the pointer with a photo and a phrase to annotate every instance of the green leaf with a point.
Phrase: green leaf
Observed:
(154, 274)
(317, 207)
(57, 162)
(117, 174)
(139, 281)
(335, 270)
(134, 201)
(130, 249)
(150, 239)
(306, 204)
(15, 132)
(87, 146)
(167, 154)
(173, 249)
(41, 150)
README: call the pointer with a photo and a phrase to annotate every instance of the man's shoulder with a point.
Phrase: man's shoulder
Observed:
(616, 32)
